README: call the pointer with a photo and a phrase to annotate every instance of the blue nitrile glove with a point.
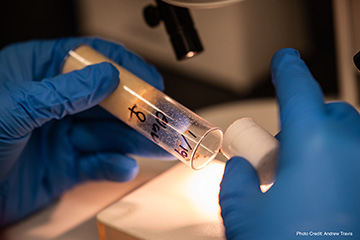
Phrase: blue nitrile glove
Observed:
(46, 144)
(317, 188)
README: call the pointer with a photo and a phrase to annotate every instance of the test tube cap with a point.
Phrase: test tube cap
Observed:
(245, 138)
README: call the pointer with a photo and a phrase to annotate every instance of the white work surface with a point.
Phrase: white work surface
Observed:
(179, 204)
(74, 215)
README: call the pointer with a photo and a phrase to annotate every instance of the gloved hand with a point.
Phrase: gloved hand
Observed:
(52, 134)
(317, 188)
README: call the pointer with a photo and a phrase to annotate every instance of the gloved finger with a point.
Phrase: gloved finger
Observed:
(106, 166)
(240, 180)
(118, 54)
(239, 196)
(31, 104)
(345, 119)
(342, 111)
(9, 153)
(299, 95)
(36, 59)
(114, 136)
(39, 59)
(95, 113)
(130, 61)
(44, 58)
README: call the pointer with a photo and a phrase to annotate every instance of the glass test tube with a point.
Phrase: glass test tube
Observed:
(175, 128)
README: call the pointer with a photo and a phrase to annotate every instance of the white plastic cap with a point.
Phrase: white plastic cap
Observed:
(245, 138)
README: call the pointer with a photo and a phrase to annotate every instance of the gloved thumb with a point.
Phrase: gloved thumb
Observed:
(239, 194)
(30, 104)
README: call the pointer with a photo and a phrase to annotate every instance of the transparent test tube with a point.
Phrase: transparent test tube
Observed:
(175, 128)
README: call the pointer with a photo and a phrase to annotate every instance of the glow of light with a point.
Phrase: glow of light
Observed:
(202, 189)
(79, 58)
(143, 99)
(265, 187)
(190, 54)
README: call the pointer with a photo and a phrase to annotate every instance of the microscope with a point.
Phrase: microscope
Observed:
(179, 24)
